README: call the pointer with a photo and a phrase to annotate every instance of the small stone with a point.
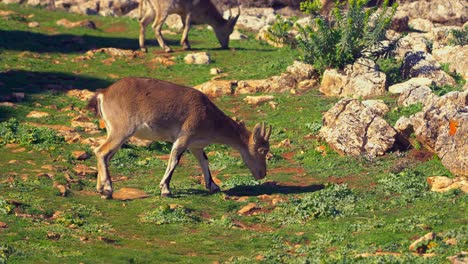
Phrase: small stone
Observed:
(256, 100)
(37, 114)
(422, 240)
(247, 209)
(236, 35)
(215, 71)
(198, 58)
(80, 155)
(53, 236)
(18, 96)
(125, 194)
(460, 258)
(62, 189)
(33, 24)
(19, 150)
(8, 104)
(284, 144)
(83, 170)
(3, 225)
(273, 105)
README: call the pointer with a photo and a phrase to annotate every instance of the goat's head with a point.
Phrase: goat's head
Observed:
(258, 148)
(223, 32)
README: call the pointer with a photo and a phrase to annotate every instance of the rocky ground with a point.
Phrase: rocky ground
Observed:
(352, 112)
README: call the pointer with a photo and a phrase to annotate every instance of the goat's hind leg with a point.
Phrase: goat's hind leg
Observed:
(144, 21)
(103, 155)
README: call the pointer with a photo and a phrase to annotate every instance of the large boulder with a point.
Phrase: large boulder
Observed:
(360, 80)
(437, 11)
(410, 84)
(418, 94)
(422, 64)
(299, 77)
(352, 128)
(452, 142)
(411, 42)
(442, 127)
(254, 18)
(455, 56)
(216, 88)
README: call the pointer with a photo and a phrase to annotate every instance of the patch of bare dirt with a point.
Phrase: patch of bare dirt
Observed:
(117, 28)
(421, 155)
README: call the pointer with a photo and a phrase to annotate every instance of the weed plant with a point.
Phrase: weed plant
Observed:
(338, 40)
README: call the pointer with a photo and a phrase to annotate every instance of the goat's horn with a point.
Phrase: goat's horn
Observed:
(263, 129)
(230, 13)
(268, 133)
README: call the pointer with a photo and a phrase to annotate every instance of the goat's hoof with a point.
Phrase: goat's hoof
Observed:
(168, 50)
(166, 195)
(144, 49)
(215, 190)
(106, 194)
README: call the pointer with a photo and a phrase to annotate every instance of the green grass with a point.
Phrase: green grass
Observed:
(314, 206)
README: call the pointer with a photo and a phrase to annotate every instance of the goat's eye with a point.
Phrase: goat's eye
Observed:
(263, 151)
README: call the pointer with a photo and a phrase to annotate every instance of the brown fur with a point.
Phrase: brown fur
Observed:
(190, 11)
(159, 110)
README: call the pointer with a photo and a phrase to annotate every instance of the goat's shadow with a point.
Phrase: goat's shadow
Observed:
(255, 190)
(252, 190)
(67, 43)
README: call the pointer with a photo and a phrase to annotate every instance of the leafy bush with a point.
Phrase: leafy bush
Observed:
(314, 127)
(5, 252)
(279, 31)
(5, 207)
(167, 215)
(391, 68)
(459, 37)
(404, 187)
(239, 180)
(38, 138)
(339, 40)
(333, 201)
(392, 116)
(223, 160)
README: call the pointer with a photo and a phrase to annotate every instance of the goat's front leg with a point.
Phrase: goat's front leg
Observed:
(186, 22)
(203, 161)
(176, 153)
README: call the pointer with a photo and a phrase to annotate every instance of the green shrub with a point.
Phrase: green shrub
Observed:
(339, 40)
(239, 180)
(279, 32)
(404, 187)
(459, 37)
(333, 201)
(5, 207)
(392, 116)
(5, 252)
(167, 215)
(39, 138)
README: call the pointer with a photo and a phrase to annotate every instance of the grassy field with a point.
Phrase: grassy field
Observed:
(314, 206)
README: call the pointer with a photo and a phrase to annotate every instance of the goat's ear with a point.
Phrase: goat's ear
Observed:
(268, 133)
(257, 132)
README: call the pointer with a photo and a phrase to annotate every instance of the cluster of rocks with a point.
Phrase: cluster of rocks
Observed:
(299, 77)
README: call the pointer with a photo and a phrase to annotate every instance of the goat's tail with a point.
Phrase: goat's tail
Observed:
(93, 104)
